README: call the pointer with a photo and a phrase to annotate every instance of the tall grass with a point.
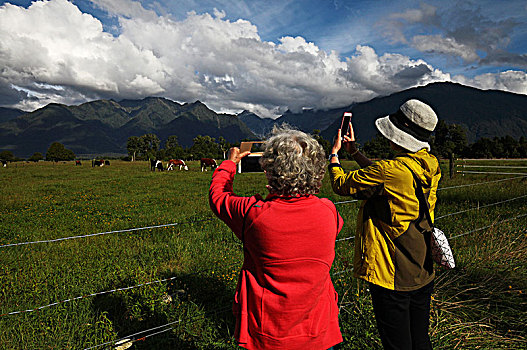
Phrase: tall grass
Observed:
(479, 305)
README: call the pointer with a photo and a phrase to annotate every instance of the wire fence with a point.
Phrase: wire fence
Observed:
(170, 326)
(205, 270)
(488, 172)
(209, 219)
(492, 166)
(104, 233)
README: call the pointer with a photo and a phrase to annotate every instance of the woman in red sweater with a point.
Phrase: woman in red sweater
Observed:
(285, 297)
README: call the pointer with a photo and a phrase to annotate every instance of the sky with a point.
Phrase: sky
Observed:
(266, 57)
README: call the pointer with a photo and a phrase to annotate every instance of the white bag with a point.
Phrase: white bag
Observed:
(441, 252)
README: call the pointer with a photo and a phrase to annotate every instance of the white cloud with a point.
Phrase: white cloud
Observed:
(395, 25)
(52, 52)
(447, 46)
(126, 8)
(425, 13)
(512, 81)
(380, 75)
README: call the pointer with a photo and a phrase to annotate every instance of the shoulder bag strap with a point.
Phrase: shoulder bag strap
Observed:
(420, 196)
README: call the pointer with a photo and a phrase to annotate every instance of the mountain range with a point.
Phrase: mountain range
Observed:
(103, 126)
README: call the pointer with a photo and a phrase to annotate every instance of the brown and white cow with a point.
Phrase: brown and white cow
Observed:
(206, 162)
(172, 163)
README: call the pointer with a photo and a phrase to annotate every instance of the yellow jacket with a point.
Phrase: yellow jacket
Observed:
(389, 251)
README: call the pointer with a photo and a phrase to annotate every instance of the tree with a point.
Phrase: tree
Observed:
(36, 157)
(57, 152)
(510, 147)
(204, 147)
(149, 145)
(378, 147)
(522, 148)
(448, 138)
(133, 145)
(482, 148)
(224, 146)
(326, 145)
(172, 148)
(7, 155)
(172, 142)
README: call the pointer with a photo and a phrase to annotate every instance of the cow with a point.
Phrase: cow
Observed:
(172, 163)
(106, 162)
(4, 163)
(96, 162)
(156, 164)
(206, 162)
(78, 162)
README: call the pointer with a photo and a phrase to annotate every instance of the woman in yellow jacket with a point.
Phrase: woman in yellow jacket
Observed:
(390, 252)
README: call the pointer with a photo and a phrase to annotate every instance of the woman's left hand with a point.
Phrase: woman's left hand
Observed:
(338, 142)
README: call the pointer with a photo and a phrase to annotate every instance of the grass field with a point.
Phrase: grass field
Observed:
(479, 305)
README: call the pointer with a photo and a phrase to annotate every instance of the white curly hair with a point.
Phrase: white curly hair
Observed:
(294, 162)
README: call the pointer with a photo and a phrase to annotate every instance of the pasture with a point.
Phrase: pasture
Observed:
(171, 287)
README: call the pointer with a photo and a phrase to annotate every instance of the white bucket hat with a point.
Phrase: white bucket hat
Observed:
(410, 127)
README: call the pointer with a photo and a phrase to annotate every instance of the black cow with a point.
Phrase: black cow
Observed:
(4, 163)
(106, 162)
(156, 164)
(96, 162)
(78, 162)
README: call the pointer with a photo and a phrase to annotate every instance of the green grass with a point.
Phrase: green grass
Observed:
(480, 305)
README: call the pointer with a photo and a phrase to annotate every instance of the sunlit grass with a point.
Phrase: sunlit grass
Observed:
(481, 304)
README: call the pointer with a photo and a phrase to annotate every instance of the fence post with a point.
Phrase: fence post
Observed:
(452, 165)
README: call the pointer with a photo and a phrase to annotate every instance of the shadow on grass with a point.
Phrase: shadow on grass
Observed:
(198, 308)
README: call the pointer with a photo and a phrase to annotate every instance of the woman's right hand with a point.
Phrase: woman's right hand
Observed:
(235, 155)
(346, 140)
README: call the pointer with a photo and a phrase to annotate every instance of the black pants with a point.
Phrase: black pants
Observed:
(403, 317)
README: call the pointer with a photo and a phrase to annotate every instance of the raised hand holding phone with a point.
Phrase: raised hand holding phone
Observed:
(345, 124)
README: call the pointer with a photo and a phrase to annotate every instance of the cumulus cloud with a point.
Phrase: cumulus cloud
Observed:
(447, 46)
(425, 13)
(513, 81)
(52, 52)
(394, 26)
(465, 32)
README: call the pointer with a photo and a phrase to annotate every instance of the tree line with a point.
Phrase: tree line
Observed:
(148, 146)
(447, 139)
(452, 139)
(56, 152)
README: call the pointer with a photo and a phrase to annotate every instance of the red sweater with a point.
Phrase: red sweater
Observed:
(285, 298)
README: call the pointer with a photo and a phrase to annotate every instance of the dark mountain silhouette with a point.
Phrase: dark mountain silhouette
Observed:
(103, 126)
(309, 120)
(259, 126)
(483, 113)
(9, 113)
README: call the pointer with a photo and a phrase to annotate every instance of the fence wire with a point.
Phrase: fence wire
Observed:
(105, 233)
(208, 219)
(488, 172)
(480, 206)
(169, 326)
(489, 226)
